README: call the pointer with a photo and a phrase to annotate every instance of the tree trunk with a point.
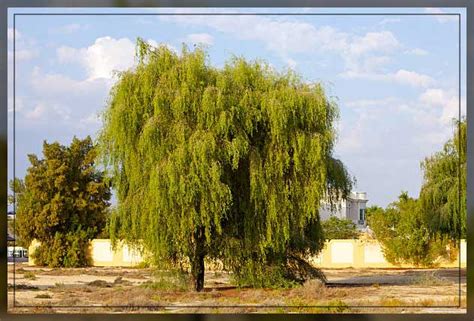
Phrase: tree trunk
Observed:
(197, 261)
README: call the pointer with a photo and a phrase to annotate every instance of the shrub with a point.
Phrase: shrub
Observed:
(336, 228)
(62, 203)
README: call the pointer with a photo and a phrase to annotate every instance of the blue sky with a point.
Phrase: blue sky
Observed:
(395, 77)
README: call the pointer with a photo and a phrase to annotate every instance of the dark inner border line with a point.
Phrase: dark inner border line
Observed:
(238, 14)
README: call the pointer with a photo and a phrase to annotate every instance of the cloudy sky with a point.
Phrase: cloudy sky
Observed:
(395, 77)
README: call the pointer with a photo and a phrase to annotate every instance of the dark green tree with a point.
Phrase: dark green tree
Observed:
(62, 203)
(227, 163)
(336, 228)
(403, 234)
(443, 193)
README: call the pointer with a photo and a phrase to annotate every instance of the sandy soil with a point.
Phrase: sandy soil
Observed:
(115, 290)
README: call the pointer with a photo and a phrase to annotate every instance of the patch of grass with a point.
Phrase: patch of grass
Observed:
(391, 302)
(313, 288)
(43, 296)
(169, 281)
(29, 275)
(337, 306)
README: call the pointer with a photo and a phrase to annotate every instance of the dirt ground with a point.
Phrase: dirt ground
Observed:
(118, 290)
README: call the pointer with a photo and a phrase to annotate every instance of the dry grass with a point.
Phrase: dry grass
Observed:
(29, 275)
(163, 293)
(392, 302)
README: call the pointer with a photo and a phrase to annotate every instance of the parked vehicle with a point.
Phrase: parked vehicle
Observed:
(17, 254)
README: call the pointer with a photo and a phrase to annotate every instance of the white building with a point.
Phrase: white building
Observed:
(352, 208)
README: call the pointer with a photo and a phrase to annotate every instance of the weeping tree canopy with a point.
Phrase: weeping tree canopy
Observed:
(443, 193)
(227, 163)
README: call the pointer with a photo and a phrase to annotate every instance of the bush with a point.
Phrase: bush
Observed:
(70, 250)
(404, 235)
(336, 228)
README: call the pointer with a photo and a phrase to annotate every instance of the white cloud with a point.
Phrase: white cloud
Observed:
(37, 112)
(383, 41)
(102, 58)
(434, 97)
(441, 15)
(62, 98)
(416, 52)
(412, 78)
(51, 85)
(361, 53)
(105, 56)
(43, 111)
(285, 36)
(446, 100)
(402, 76)
(200, 38)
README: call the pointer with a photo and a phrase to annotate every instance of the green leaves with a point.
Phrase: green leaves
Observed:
(241, 153)
(443, 194)
(335, 228)
(62, 201)
(404, 235)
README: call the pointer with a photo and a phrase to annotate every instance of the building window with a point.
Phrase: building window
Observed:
(362, 215)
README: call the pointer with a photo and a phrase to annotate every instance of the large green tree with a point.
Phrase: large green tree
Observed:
(443, 193)
(62, 203)
(224, 163)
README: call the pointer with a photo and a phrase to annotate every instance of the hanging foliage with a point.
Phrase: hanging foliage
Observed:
(228, 163)
(443, 193)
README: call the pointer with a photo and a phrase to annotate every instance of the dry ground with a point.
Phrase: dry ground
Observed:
(116, 290)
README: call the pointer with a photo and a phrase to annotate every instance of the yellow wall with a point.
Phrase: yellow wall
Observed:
(103, 255)
(336, 254)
